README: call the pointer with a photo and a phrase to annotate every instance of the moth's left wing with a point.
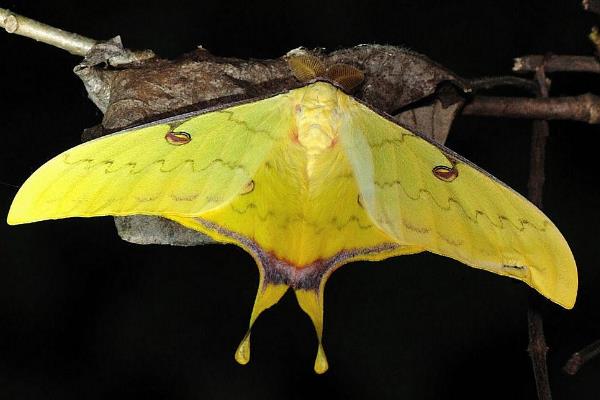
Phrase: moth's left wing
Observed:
(425, 195)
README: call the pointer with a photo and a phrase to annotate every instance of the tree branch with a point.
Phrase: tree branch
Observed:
(498, 81)
(591, 6)
(585, 108)
(556, 63)
(537, 347)
(71, 42)
(581, 357)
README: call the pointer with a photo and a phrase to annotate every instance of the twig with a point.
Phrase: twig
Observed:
(497, 81)
(581, 357)
(585, 108)
(537, 343)
(591, 6)
(71, 42)
(557, 63)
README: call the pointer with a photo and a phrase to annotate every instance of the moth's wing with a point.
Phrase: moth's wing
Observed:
(140, 172)
(471, 217)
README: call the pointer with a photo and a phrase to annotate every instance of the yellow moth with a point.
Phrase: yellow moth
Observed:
(306, 181)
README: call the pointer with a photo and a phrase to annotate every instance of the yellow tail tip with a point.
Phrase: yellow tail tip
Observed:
(242, 354)
(321, 364)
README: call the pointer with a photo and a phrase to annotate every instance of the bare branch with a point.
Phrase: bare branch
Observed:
(585, 108)
(498, 81)
(537, 352)
(557, 63)
(71, 42)
(537, 342)
(591, 6)
(581, 357)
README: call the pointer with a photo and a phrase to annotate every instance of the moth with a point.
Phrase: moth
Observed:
(306, 181)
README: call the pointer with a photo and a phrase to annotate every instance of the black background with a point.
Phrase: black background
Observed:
(85, 315)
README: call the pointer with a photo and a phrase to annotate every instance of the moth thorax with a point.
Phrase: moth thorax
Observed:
(316, 138)
(317, 117)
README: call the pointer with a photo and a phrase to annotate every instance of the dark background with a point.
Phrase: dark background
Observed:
(84, 315)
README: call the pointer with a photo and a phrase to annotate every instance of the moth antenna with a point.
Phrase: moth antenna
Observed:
(306, 67)
(345, 75)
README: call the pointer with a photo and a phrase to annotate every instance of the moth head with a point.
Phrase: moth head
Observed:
(307, 67)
